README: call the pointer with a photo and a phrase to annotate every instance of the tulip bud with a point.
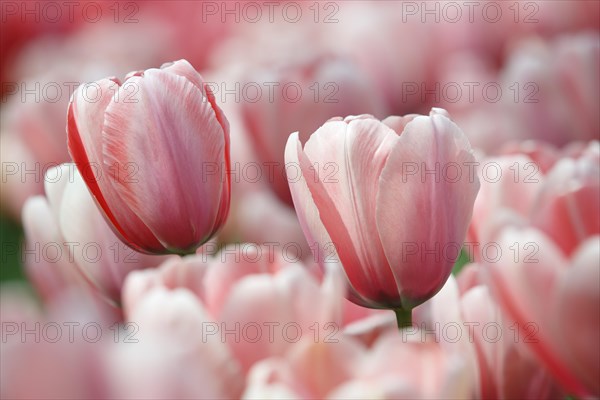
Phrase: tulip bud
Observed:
(397, 208)
(154, 153)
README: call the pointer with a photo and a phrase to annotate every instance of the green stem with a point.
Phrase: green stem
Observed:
(403, 317)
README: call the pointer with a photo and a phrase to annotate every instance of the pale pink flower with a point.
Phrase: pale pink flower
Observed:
(548, 294)
(372, 209)
(68, 240)
(161, 144)
(170, 355)
(394, 368)
(506, 367)
(562, 201)
(261, 304)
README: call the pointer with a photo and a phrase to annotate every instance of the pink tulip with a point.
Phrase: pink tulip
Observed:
(543, 154)
(506, 368)
(247, 293)
(173, 357)
(74, 351)
(375, 212)
(69, 242)
(549, 295)
(310, 370)
(393, 368)
(53, 271)
(562, 202)
(397, 367)
(469, 324)
(509, 183)
(567, 207)
(161, 146)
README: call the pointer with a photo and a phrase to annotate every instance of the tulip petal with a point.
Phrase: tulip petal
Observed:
(567, 208)
(51, 275)
(256, 299)
(397, 123)
(308, 213)
(442, 206)
(357, 149)
(577, 306)
(175, 357)
(226, 194)
(55, 183)
(84, 136)
(317, 236)
(184, 68)
(519, 285)
(368, 144)
(171, 149)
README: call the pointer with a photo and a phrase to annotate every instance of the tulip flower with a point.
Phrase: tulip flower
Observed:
(500, 358)
(395, 367)
(562, 201)
(90, 258)
(248, 286)
(529, 284)
(150, 151)
(392, 199)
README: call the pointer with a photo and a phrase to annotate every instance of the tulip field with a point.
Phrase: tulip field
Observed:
(300, 199)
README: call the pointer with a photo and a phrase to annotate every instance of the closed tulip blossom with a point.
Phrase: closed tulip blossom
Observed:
(391, 199)
(154, 153)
